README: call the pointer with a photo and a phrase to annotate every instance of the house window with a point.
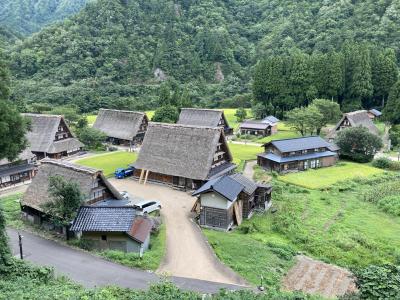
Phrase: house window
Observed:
(306, 165)
(313, 164)
(304, 151)
(104, 238)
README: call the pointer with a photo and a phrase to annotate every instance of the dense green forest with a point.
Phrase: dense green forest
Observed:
(116, 53)
(28, 16)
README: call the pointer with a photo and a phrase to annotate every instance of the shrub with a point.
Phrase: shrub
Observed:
(382, 163)
(390, 204)
(379, 282)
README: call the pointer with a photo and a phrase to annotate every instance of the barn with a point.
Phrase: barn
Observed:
(183, 156)
(122, 127)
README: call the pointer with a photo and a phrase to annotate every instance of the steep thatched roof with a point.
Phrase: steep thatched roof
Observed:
(37, 193)
(180, 150)
(120, 124)
(201, 117)
(356, 119)
(43, 132)
(24, 155)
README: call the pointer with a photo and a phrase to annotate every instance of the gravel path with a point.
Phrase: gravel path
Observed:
(249, 169)
(188, 253)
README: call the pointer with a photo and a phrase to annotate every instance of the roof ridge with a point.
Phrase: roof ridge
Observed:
(297, 138)
(71, 166)
(206, 109)
(42, 115)
(172, 125)
(123, 111)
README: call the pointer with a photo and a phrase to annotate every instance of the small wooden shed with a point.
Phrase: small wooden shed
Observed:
(225, 201)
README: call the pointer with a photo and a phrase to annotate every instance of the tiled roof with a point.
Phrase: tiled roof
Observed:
(279, 159)
(225, 186)
(104, 219)
(302, 143)
(255, 125)
(249, 185)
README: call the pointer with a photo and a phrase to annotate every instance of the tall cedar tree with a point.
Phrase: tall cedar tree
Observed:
(4, 249)
(12, 124)
(392, 109)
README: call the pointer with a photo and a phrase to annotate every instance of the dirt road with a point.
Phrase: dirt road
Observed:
(188, 254)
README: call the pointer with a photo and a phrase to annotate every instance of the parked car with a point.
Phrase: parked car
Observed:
(147, 206)
(121, 173)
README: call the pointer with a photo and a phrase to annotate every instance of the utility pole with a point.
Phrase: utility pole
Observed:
(21, 254)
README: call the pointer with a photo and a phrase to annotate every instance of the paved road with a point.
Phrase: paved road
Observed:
(188, 253)
(92, 271)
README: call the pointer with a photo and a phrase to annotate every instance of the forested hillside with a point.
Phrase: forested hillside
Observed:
(28, 16)
(116, 53)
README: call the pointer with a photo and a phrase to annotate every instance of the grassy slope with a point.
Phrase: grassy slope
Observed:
(335, 225)
(109, 162)
(12, 210)
(324, 177)
(241, 152)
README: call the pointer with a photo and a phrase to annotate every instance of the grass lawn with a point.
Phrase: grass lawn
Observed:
(241, 152)
(336, 226)
(91, 119)
(232, 120)
(109, 162)
(284, 132)
(324, 177)
(151, 258)
(12, 210)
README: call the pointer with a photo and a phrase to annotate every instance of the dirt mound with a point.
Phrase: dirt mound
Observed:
(316, 277)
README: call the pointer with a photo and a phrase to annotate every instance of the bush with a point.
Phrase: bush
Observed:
(381, 163)
(379, 282)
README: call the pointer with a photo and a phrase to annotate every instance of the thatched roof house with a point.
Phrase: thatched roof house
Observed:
(49, 136)
(122, 126)
(94, 186)
(204, 117)
(354, 119)
(184, 155)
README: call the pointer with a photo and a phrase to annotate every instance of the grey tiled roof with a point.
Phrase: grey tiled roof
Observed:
(104, 219)
(255, 125)
(279, 159)
(375, 112)
(225, 186)
(302, 143)
(271, 119)
(249, 185)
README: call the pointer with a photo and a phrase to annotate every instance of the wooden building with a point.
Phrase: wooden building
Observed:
(122, 127)
(182, 155)
(267, 126)
(114, 228)
(299, 154)
(374, 113)
(94, 186)
(225, 201)
(353, 119)
(204, 117)
(21, 170)
(49, 136)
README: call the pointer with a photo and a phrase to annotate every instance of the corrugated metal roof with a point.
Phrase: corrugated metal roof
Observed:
(302, 143)
(375, 112)
(104, 219)
(270, 119)
(141, 229)
(279, 159)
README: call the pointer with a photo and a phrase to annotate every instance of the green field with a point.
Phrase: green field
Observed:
(324, 177)
(336, 226)
(241, 153)
(109, 162)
